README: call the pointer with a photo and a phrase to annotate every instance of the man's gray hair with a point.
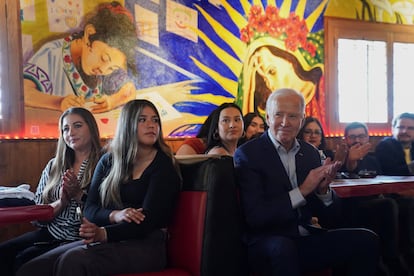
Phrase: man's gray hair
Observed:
(284, 92)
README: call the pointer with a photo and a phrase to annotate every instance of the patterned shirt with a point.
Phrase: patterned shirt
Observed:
(65, 226)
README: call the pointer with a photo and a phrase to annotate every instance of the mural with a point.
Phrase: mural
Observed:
(87, 68)
(280, 53)
(387, 11)
(187, 57)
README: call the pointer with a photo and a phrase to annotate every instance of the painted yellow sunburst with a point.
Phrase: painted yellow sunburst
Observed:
(234, 42)
(233, 59)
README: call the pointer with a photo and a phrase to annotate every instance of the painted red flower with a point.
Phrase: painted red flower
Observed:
(302, 39)
(272, 13)
(255, 11)
(67, 58)
(291, 44)
(292, 30)
(261, 24)
(311, 48)
(246, 34)
(275, 29)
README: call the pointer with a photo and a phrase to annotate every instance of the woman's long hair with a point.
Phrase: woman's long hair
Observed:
(65, 156)
(203, 132)
(124, 147)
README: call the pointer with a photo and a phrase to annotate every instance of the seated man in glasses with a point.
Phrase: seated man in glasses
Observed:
(359, 159)
(396, 153)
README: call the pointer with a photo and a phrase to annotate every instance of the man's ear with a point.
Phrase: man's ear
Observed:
(302, 122)
(267, 119)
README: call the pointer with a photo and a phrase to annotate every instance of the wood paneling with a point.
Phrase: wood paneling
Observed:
(23, 161)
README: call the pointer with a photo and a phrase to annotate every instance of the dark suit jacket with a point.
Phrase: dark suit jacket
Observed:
(265, 185)
(390, 155)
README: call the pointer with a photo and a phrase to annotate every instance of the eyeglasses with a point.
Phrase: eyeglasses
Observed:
(309, 132)
(360, 136)
(405, 127)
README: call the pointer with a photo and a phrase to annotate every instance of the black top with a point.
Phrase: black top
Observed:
(156, 192)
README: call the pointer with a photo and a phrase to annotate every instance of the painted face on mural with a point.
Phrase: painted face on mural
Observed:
(181, 18)
(98, 58)
(279, 73)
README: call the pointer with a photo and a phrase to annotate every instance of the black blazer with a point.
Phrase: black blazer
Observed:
(391, 157)
(265, 185)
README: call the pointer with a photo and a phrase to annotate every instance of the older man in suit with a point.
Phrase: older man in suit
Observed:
(285, 197)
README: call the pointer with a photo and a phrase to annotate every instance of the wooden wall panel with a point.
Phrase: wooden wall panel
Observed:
(23, 161)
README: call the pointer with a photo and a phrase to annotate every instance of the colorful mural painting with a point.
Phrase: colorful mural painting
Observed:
(387, 11)
(190, 56)
(185, 56)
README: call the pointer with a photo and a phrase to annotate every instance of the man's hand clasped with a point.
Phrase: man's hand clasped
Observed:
(319, 178)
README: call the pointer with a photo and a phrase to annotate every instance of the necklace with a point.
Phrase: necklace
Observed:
(80, 88)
